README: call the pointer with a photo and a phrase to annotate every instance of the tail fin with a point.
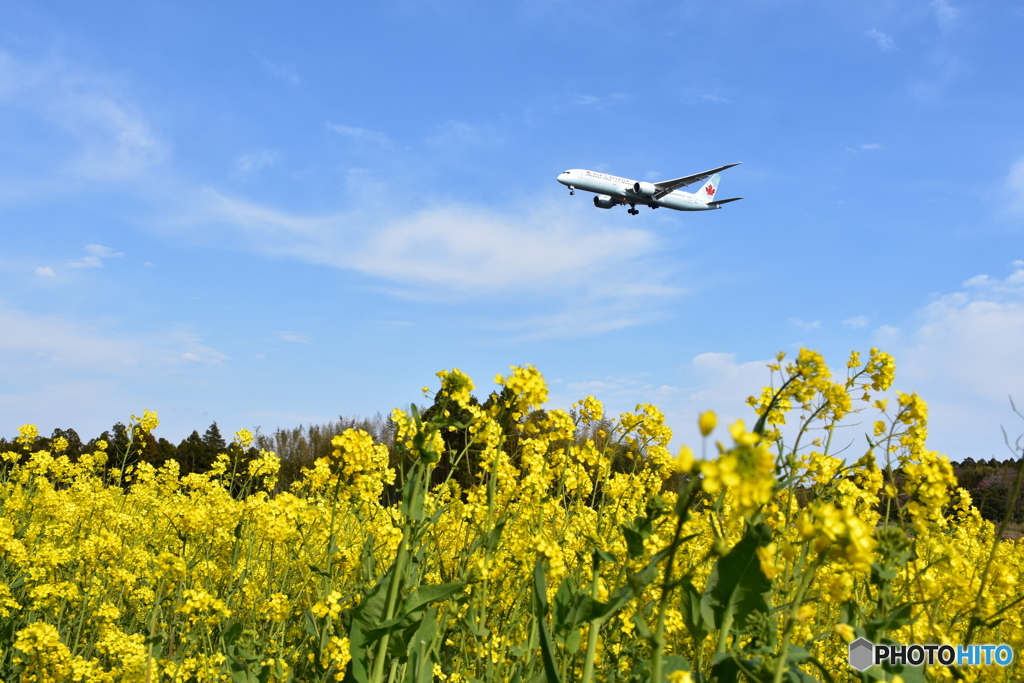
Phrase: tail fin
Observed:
(707, 193)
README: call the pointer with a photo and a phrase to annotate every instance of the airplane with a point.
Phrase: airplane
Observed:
(615, 191)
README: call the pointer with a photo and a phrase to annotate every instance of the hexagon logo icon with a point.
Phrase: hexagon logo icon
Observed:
(862, 654)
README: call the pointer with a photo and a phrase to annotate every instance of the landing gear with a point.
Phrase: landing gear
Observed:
(632, 209)
(653, 206)
(572, 190)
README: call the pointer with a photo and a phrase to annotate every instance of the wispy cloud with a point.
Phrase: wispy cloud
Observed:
(33, 339)
(882, 40)
(459, 134)
(864, 147)
(253, 162)
(45, 271)
(97, 253)
(293, 337)
(360, 134)
(1014, 188)
(803, 325)
(597, 278)
(857, 322)
(703, 97)
(105, 135)
(945, 13)
(282, 72)
(596, 101)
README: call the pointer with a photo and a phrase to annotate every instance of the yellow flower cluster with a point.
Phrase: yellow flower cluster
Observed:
(202, 578)
(528, 386)
(744, 472)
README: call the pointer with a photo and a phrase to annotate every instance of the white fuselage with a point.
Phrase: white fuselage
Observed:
(621, 190)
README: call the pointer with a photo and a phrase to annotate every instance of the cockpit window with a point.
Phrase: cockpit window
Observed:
(567, 172)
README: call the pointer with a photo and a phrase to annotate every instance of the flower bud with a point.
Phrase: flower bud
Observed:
(707, 422)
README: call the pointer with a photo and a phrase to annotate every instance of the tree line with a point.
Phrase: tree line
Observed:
(989, 482)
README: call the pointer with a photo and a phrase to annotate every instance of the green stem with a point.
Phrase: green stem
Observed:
(805, 584)
(396, 578)
(666, 589)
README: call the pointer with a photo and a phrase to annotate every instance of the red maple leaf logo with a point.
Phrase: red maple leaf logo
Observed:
(710, 189)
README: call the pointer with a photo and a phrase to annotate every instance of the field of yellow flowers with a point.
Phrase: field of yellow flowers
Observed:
(757, 558)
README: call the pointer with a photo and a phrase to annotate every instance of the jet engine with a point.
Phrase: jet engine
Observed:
(603, 201)
(644, 188)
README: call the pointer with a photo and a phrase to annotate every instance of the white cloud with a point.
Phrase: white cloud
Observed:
(692, 96)
(110, 138)
(887, 334)
(97, 252)
(459, 134)
(459, 248)
(292, 337)
(884, 41)
(1014, 187)
(871, 146)
(584, 100)
(282, 72)
(945, 13)
(802, 325)
(598, 278)
(45, 271)
(33, 339)
(62, 372)
(965, 357)
(256, 161)
(856, 322)
(360, 134)
(195, 351)
(719, 383)
(119, 144)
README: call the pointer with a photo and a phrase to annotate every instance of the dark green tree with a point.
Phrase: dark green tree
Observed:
(194, 455)
(213, 440)
(75, 446)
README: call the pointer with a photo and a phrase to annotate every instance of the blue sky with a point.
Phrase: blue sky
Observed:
(267, 214)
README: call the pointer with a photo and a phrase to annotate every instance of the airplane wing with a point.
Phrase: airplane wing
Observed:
(667, 186)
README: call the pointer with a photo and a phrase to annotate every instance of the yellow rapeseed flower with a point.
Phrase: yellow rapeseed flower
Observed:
(707, 422)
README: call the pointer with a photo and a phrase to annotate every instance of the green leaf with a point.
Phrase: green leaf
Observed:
(673, 663)
(420, 651)
(493, 536)
(895, 619)
(366, 617)
(311, 628)
(231, 634)
(737, 586)
(242, 676)
(563, 598)
(317, 570)
(424, 595)
(633, 586)
(724, 669)
(693, 618)
(634, 541)
(540, 611)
